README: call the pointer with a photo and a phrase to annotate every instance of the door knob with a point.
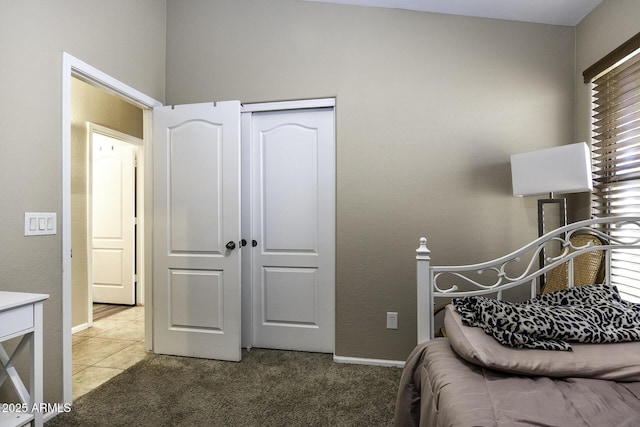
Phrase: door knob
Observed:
(231, 245)
(243, 242)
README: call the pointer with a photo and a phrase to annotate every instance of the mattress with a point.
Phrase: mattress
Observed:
(439, 388)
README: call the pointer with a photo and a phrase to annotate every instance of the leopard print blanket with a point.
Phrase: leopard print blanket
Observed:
(585, 314)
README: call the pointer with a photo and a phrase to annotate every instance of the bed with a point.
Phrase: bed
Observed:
(512, 355)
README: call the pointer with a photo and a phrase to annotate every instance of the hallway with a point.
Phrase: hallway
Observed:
(103, 351)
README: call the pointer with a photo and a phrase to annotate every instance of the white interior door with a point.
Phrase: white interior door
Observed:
(293, 211)
(196, 272)
(113, 220)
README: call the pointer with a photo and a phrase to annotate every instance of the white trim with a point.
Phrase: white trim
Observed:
(92, 75)
(371, 362)
(67, 370)
(112, 133)
(73, 67)
(48, 416)
(288, 105)
(80, 328)
(147, 225)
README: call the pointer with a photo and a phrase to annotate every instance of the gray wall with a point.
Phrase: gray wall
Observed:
(429, 109)
(123, 38)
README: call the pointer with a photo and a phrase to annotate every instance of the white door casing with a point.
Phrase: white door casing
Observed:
(196, 278)
(293, 222)
(74, 67)
(112, 220)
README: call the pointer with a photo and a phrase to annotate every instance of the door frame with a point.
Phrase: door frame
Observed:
(246, 196)
(74, 67)
(138, 244)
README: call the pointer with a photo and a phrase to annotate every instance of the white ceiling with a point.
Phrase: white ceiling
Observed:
(555, 12)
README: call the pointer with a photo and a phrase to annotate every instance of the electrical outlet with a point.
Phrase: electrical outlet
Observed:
(392, 320)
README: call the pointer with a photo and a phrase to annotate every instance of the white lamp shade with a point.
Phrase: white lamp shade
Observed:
(563, 169)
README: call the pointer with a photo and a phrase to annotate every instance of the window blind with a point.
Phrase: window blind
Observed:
(616, 162)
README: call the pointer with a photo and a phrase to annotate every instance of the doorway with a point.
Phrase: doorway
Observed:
(73, 68)
(288, 234)
(113, 209)
(121, 130)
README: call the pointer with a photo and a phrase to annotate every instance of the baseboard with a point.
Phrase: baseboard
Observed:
(79, 328)
(49, 416)
(55, 410)
(372, 362)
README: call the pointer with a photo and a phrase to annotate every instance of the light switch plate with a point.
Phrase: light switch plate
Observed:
(40, 223)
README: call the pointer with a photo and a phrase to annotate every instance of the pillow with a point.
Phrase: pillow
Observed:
(615, 361)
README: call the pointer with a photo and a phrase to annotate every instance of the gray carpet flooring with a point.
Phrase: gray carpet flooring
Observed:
(268, 388)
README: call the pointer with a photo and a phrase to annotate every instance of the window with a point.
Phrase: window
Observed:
(616, 153)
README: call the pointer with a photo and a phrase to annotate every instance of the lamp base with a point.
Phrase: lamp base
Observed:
(562, 208)
(562, 214)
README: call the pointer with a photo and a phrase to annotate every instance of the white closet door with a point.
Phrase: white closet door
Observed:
(293, 211)
(196, 280)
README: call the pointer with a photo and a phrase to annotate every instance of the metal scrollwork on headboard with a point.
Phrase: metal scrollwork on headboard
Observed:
(521, 267)
(503, 276)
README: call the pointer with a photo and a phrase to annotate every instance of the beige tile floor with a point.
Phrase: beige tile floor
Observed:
(106, 349)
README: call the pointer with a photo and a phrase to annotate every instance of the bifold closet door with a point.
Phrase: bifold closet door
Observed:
(293, 224)
(196, 230)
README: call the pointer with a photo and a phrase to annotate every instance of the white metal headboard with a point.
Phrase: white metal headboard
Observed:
(428, 276)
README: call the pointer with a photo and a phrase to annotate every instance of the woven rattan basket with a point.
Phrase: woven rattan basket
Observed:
(586, 267)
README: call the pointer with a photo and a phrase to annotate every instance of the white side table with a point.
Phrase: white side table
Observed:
(21, 315)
